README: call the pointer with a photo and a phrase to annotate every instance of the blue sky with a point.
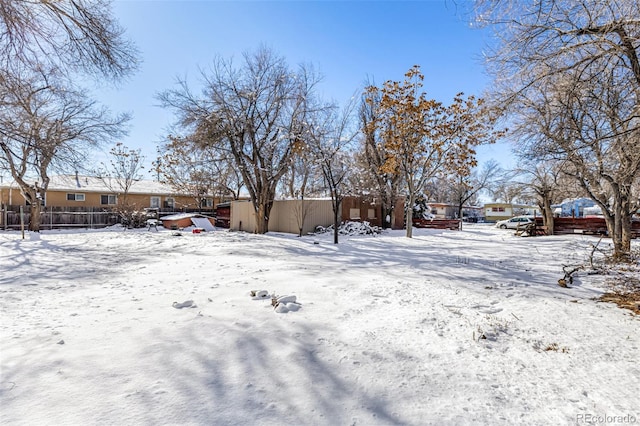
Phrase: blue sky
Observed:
(347, 41)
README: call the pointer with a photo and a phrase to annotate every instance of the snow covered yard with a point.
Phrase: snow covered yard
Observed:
(450, 327)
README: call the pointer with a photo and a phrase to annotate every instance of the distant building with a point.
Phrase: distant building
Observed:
(75, 191)
(494, 212)
(450, 211)
(578, 207)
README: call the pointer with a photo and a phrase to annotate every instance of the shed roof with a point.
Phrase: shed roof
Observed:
(179, 216)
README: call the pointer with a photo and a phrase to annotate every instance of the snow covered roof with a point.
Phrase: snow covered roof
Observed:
(179, 216)
(95, 184)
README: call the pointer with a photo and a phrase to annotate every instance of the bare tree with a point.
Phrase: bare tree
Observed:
(45, 120)
(330, 138)
(304, 178)
(508, 189)
(568, 72)
(301, 210)
(302, 174)
(542, 177)
(192, 167)
(123, 170)
(257, 112)
(70, 35)
(43, 124)
(591, 128)
(466, 188)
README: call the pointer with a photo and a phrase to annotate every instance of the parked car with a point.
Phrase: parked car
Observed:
(515, 222)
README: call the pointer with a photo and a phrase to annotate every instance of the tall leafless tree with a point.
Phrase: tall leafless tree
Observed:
(119, 174)
(70, 35)
(465, 189)
(330, 139)
(191, 166)
(46, 119)
(258, 112)
(568, 72)
(543, 178)
(44, 124)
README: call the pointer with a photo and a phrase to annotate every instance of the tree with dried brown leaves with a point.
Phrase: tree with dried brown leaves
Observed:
(384, 182)
(425, 138)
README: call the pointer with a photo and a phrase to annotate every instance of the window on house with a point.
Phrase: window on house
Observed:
(371, 214)
(354, 214)
(169, 202)
(107, 200)
(75, 197)
(497, 209)
(155, 203)
(208, 203)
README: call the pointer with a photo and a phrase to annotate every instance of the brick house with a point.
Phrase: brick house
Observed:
(87, 192)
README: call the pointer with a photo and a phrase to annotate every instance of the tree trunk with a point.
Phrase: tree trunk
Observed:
(35, 208)
(301, 217)
(616, 231)
(626, 216)
(263, 210)
(625, 243)
(262, 225)
(336, 200)
(620, 229)
(409, 215)
(35, 220)
(547, 215)
(387, 212)
(336, 223)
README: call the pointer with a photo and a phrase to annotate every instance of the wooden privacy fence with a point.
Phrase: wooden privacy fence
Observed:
(574, 225)
(587, 225)
(437, 223)
(57, 218)
(71, 217)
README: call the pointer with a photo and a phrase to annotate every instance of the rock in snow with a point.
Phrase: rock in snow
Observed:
(259, 294)
(286, 299)
(185, 304)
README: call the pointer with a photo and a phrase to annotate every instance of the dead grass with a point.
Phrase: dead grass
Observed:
(629, 301)
(623, 283)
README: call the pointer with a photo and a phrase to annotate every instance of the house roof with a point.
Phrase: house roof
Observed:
(95, 184)
(518, 206)
(73, 183)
